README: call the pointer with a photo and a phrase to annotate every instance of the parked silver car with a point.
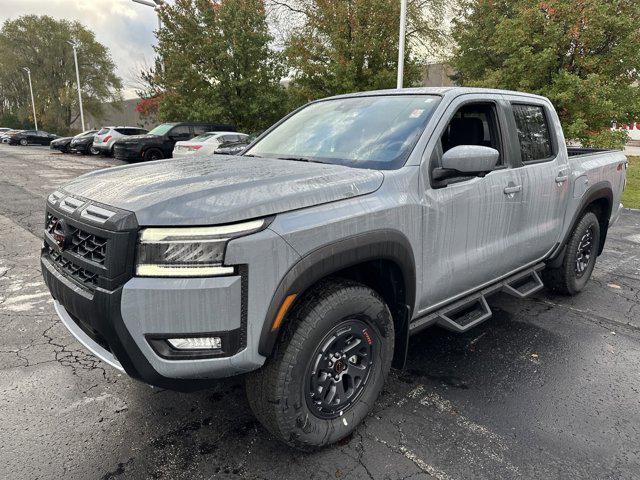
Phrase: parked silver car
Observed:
(105, 138)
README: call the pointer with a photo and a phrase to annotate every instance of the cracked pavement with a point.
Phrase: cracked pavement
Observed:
(548, 388)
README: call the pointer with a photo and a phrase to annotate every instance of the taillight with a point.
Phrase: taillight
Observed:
(195, 147)
(106, 139)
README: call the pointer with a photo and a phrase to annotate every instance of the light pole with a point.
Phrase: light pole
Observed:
(75, 58)
(403, 26)
(33, 103)
(154, 4)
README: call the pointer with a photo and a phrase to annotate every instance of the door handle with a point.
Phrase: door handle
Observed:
(562, 178)
(512, 190)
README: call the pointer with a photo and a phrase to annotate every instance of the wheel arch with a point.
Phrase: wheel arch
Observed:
(599, 199)
(382, 260)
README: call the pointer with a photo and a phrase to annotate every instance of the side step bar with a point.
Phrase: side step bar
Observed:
(468, 312)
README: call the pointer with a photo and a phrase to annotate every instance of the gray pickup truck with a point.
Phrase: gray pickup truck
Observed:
(307, 261)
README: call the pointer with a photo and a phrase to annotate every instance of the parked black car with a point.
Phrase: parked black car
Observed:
(29, 137)
(83, 143)
(159, 142)
(61, 144)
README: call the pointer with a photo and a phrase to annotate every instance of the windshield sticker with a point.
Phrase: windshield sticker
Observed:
(416, 113)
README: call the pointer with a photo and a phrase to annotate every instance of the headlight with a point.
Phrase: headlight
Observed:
(188, 252)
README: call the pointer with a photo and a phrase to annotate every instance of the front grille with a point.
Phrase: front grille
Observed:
(87, 245)
(73, 270)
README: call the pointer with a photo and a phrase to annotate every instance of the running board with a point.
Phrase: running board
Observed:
(469, 311)
(524, 284)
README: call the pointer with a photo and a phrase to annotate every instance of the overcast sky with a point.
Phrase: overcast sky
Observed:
(124, 27)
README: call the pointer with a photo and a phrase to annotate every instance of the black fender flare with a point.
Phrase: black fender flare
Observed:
(374, 245)
(597, 191)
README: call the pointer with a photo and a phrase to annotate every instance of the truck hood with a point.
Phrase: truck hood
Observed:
(210, 190)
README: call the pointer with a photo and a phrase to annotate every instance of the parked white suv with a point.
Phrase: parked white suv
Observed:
(105, 138)
(206, 143)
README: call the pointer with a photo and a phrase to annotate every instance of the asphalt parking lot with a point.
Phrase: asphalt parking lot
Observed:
(548, 388)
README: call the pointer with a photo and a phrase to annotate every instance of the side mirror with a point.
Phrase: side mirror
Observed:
(470, 159)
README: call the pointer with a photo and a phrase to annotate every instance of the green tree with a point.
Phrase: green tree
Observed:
(215, 64)
(40, 43)
(352, 45)
(582, 54)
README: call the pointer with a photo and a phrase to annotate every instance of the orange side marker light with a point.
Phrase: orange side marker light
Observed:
(282, 311)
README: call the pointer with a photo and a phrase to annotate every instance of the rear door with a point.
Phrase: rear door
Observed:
(543, 172)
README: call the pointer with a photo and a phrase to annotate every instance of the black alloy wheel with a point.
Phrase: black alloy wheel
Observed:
(339, 368)
(584, 252)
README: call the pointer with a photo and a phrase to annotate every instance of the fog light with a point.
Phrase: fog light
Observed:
(196, 343)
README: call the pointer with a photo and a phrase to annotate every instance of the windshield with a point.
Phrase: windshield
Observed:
(367, 132)
(161, 129)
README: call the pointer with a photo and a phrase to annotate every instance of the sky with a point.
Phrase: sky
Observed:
(124, 27)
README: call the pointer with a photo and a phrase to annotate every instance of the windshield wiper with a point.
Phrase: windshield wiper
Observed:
(300, 159)
(251, 155)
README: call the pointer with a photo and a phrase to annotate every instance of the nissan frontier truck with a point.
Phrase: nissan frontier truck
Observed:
(305, 263)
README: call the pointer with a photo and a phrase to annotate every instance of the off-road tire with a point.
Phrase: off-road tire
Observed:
(565, 279)
(277, 392)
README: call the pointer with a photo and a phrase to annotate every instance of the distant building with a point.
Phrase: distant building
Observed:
(437, 75)
(116, 113)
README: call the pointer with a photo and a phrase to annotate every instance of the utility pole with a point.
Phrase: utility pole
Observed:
(75, 58)
(33, 103)
(403, 27)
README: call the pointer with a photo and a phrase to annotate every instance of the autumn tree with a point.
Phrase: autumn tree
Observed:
(352, 45)
(582, 54)
(41, 44)
(215, 63)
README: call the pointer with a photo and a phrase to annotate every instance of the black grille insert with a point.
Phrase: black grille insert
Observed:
(87, 245)
(79, 274)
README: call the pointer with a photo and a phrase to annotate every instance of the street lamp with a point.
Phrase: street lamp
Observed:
(33, 103)
(154, 4)
(403, 25)
(75, 58)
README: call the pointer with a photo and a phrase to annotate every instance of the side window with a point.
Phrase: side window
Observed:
(200, 129)
(473, 124)
(181, 131)
(533, 133)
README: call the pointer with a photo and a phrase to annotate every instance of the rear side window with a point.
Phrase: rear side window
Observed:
(200, 129)
(533, 133)
(102, 131)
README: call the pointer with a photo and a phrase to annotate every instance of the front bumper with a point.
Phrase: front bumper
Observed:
(121, 318)
(118, 326)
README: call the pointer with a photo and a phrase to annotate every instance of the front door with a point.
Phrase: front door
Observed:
(467, 221)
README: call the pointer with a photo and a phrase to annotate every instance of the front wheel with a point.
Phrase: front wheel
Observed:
(328, 368)
(152, 154)
(24, 142)
(579, 258)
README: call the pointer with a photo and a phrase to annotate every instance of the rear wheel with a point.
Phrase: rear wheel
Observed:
(152, 154)
(579, 258)
(328, 368)
(94, 151)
